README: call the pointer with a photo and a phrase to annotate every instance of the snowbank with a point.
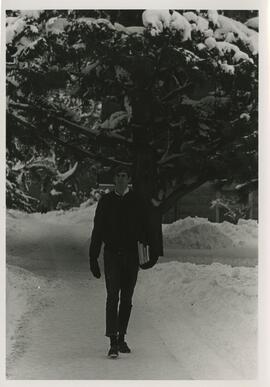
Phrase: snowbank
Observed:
(215, 302)
(188, 233)
(23, 292)
(83, 215)
(199, 233)
(205, 314)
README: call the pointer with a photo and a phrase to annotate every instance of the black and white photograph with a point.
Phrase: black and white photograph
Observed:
(131, 193)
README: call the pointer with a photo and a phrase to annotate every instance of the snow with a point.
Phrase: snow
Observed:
(210, 42)
(253, 23)
(19, 165)
(54, 192)
(241, 31)
(245, 116)
(213, 16)
(240, 55)
(191, 17)
(179, 23)
(202, 24)
(135, 30)
(225, 47)
(189, 320)
(35, 14)
(34, 29)
(208, 33)
(153, 21)
(201, 234)
(201, 46)
(210, 301)
(56, 25)
(22, 289)
(14, 27)
(223, 32)
(231, 25)
(229, 38)
(64, 176)
(227, 30)
(156, 19)
(117, 117)
(253, 43)
(229, 69)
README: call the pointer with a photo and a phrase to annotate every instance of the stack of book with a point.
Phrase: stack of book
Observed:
(143, 252)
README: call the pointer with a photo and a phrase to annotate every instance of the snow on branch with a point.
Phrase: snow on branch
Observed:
(67, 174)
(246, 184)
(166, 158)
(107, 135)
(174, 92)
(253, 23)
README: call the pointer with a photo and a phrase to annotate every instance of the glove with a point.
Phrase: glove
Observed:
(147, 265)
(94, 267)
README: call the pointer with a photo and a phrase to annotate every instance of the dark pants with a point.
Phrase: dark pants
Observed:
(121, 271)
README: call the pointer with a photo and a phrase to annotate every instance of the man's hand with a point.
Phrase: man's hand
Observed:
(94, 267)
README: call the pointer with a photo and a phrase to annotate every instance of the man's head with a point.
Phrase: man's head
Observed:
(122, 178)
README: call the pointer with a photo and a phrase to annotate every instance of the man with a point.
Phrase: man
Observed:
(119, 223)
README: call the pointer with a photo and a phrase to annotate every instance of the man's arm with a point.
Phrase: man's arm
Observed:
(96, 240)
(153, 234)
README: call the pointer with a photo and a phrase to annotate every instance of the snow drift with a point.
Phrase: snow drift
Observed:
(205, 316)
(215, 303)
(199, 233)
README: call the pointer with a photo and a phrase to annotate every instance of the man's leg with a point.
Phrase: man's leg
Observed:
(129, 276)
(112, 279)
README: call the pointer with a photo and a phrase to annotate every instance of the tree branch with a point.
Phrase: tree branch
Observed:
(181, 191)
(28, 125)
(97, 138)
(91, 155)
(13, 65)
(164, 159)
(172, 93)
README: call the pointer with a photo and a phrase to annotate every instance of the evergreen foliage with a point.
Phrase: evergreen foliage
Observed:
(100, 86)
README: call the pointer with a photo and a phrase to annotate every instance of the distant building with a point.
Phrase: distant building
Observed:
(198, 202)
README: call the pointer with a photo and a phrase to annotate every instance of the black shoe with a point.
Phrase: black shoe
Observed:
(123, 347)
(113, 352)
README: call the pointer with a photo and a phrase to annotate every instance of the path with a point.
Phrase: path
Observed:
(63, 338)
(66, 339)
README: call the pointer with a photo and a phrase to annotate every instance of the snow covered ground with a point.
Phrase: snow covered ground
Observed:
(194, 313)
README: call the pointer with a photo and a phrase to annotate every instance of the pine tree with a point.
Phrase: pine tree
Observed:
(174, 94)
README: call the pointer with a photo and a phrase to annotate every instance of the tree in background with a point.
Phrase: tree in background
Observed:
(174, 94)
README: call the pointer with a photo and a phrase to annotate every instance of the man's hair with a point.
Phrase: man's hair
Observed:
(122, 168)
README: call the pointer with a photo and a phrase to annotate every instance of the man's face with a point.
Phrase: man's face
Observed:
(121, 181)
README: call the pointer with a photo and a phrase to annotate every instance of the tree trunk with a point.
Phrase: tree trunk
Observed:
(145, 184)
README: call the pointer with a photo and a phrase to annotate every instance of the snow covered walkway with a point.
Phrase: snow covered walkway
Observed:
(188, 321)
(65, 340)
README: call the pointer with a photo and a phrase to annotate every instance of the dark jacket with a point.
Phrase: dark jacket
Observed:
(120, 221)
